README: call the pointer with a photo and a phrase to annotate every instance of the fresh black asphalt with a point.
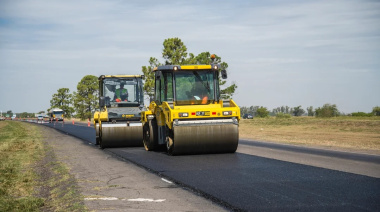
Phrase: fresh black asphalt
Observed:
(243, 182)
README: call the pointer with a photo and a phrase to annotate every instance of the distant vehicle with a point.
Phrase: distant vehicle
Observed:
(248, 116)
(55, 114)
(14, 116)
(2, 118)
(40, 118)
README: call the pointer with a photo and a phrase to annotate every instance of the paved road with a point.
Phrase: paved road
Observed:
(265, 177)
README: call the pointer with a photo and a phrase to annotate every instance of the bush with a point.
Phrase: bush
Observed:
(262, 112)
(376, 111)
(362, 114)
(283, 115)
(327, 111)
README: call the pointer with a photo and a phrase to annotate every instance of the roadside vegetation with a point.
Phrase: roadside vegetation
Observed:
(31, 179)
(348, 132)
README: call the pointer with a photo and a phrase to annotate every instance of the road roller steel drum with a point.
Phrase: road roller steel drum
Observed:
(207, 136)
(122, 134)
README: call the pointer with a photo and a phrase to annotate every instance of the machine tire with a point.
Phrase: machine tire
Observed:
(150, 135)
(97, 141)
(97, 137)
(101, 145)
(170, 145)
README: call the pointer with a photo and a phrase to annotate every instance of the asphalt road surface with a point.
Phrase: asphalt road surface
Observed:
(263, 176)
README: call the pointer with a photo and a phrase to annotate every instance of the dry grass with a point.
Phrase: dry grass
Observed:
(20, 148)
(30, 178)
(342, 132)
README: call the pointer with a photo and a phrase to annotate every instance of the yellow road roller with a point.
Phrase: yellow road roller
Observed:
(188, 115)
(118, 120)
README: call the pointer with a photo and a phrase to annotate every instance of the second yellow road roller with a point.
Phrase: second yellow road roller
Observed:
(118, 121)
(188, 115)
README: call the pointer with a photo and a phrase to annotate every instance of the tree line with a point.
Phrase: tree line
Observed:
(326, 111)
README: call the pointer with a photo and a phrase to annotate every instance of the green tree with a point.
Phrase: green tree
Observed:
(86, 97)
(327, 111)
(298, 111)
(63, 100)
(262, 112)
(175, 52)
(376, 111)
(310, 111)
(149, 77)
(26, 115)
(9, 112)
(244, 110)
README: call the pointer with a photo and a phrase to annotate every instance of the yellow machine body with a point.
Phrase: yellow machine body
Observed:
(118, 121)
(188, 124)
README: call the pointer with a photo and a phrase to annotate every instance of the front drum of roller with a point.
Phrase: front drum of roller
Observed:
(122, 135)
(205, 139)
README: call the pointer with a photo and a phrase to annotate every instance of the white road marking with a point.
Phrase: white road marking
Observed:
(146, 200)
(165, 180)
(101, 198)
(130, 200)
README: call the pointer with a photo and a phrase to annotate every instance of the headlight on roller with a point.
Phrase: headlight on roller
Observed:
(183, 114)
(227, 113)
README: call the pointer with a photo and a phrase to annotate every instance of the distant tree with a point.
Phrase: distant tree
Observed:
(26, 115)
(274, 111)
(41, 112)
(9, 112)
(376, 111)
(63, 100)
(244, 110)
(149, 77)
(86, 97)
(310, 111)
(262, 112)
(298, 111)
(327, 110)
(175, 52)
(253, 110)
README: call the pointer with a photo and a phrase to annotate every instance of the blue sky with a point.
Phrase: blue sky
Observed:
(290, 53)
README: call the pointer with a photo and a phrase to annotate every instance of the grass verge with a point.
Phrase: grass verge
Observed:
(19, 148)
(352, 133)
(31, 179)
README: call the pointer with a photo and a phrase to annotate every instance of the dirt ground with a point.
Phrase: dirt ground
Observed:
(108, 183)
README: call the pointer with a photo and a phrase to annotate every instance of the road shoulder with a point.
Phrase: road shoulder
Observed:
(111, 184)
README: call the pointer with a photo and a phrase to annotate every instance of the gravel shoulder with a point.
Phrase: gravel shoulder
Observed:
(108, 183)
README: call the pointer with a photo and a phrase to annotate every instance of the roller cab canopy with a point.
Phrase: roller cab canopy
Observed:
(188, 84)
(121, 96)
